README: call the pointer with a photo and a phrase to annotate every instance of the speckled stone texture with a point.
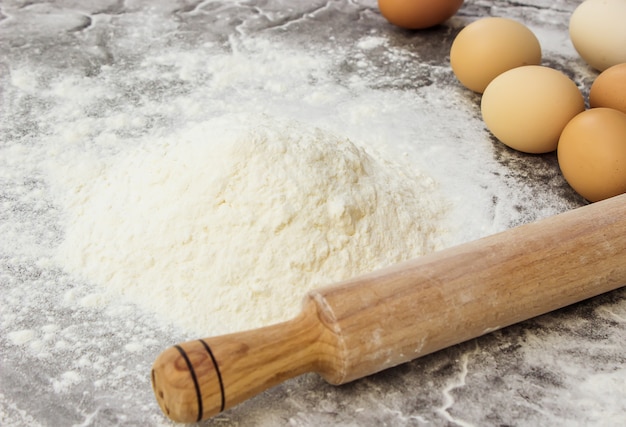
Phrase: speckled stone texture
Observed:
(66, 360)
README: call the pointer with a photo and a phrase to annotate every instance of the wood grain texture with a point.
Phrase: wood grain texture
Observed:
(362, 326)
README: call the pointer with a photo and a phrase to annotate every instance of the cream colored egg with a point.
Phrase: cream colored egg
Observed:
(490, 46)
(527, 107)
(592, 153)
(597, 29)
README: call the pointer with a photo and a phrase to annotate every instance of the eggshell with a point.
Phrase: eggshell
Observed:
(592, 153)
(527, 107)
(598, 32)
(418, 14)
(490, 46)
(609, 89)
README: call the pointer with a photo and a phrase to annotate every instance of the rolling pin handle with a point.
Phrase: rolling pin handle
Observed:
(195, 380)
(187, 382)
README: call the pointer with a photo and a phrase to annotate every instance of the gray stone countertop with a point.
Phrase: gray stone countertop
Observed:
(92, 69)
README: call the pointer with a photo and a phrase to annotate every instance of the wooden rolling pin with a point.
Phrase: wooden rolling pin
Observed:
(362, 326)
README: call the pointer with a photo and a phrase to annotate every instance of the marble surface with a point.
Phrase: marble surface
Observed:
(101, 72)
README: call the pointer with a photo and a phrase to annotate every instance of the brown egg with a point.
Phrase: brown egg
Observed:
(527, 107)
(418, 14)
(592, 153)
(490, 46)
(609, 89)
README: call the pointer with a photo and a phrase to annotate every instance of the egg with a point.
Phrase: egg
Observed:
(592, 153)
(490, 46)
(527, 107)
(609, 89)
(598, 33)
(418, 14)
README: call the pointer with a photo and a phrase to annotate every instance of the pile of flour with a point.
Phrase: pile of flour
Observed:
(226, 224)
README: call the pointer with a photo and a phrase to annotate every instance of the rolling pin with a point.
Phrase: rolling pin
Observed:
(364, 325)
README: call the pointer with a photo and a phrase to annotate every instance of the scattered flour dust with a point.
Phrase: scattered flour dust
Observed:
(225, 225)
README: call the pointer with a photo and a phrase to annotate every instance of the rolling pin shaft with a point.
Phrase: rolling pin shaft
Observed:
(370, 323)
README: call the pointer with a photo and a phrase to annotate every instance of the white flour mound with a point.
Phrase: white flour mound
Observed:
(225, 226)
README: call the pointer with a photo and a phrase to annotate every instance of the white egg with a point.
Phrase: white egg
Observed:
(598, 32)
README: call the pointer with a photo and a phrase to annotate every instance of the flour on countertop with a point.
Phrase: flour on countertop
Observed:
(371, 42)
(92, 100)
(226, 225)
